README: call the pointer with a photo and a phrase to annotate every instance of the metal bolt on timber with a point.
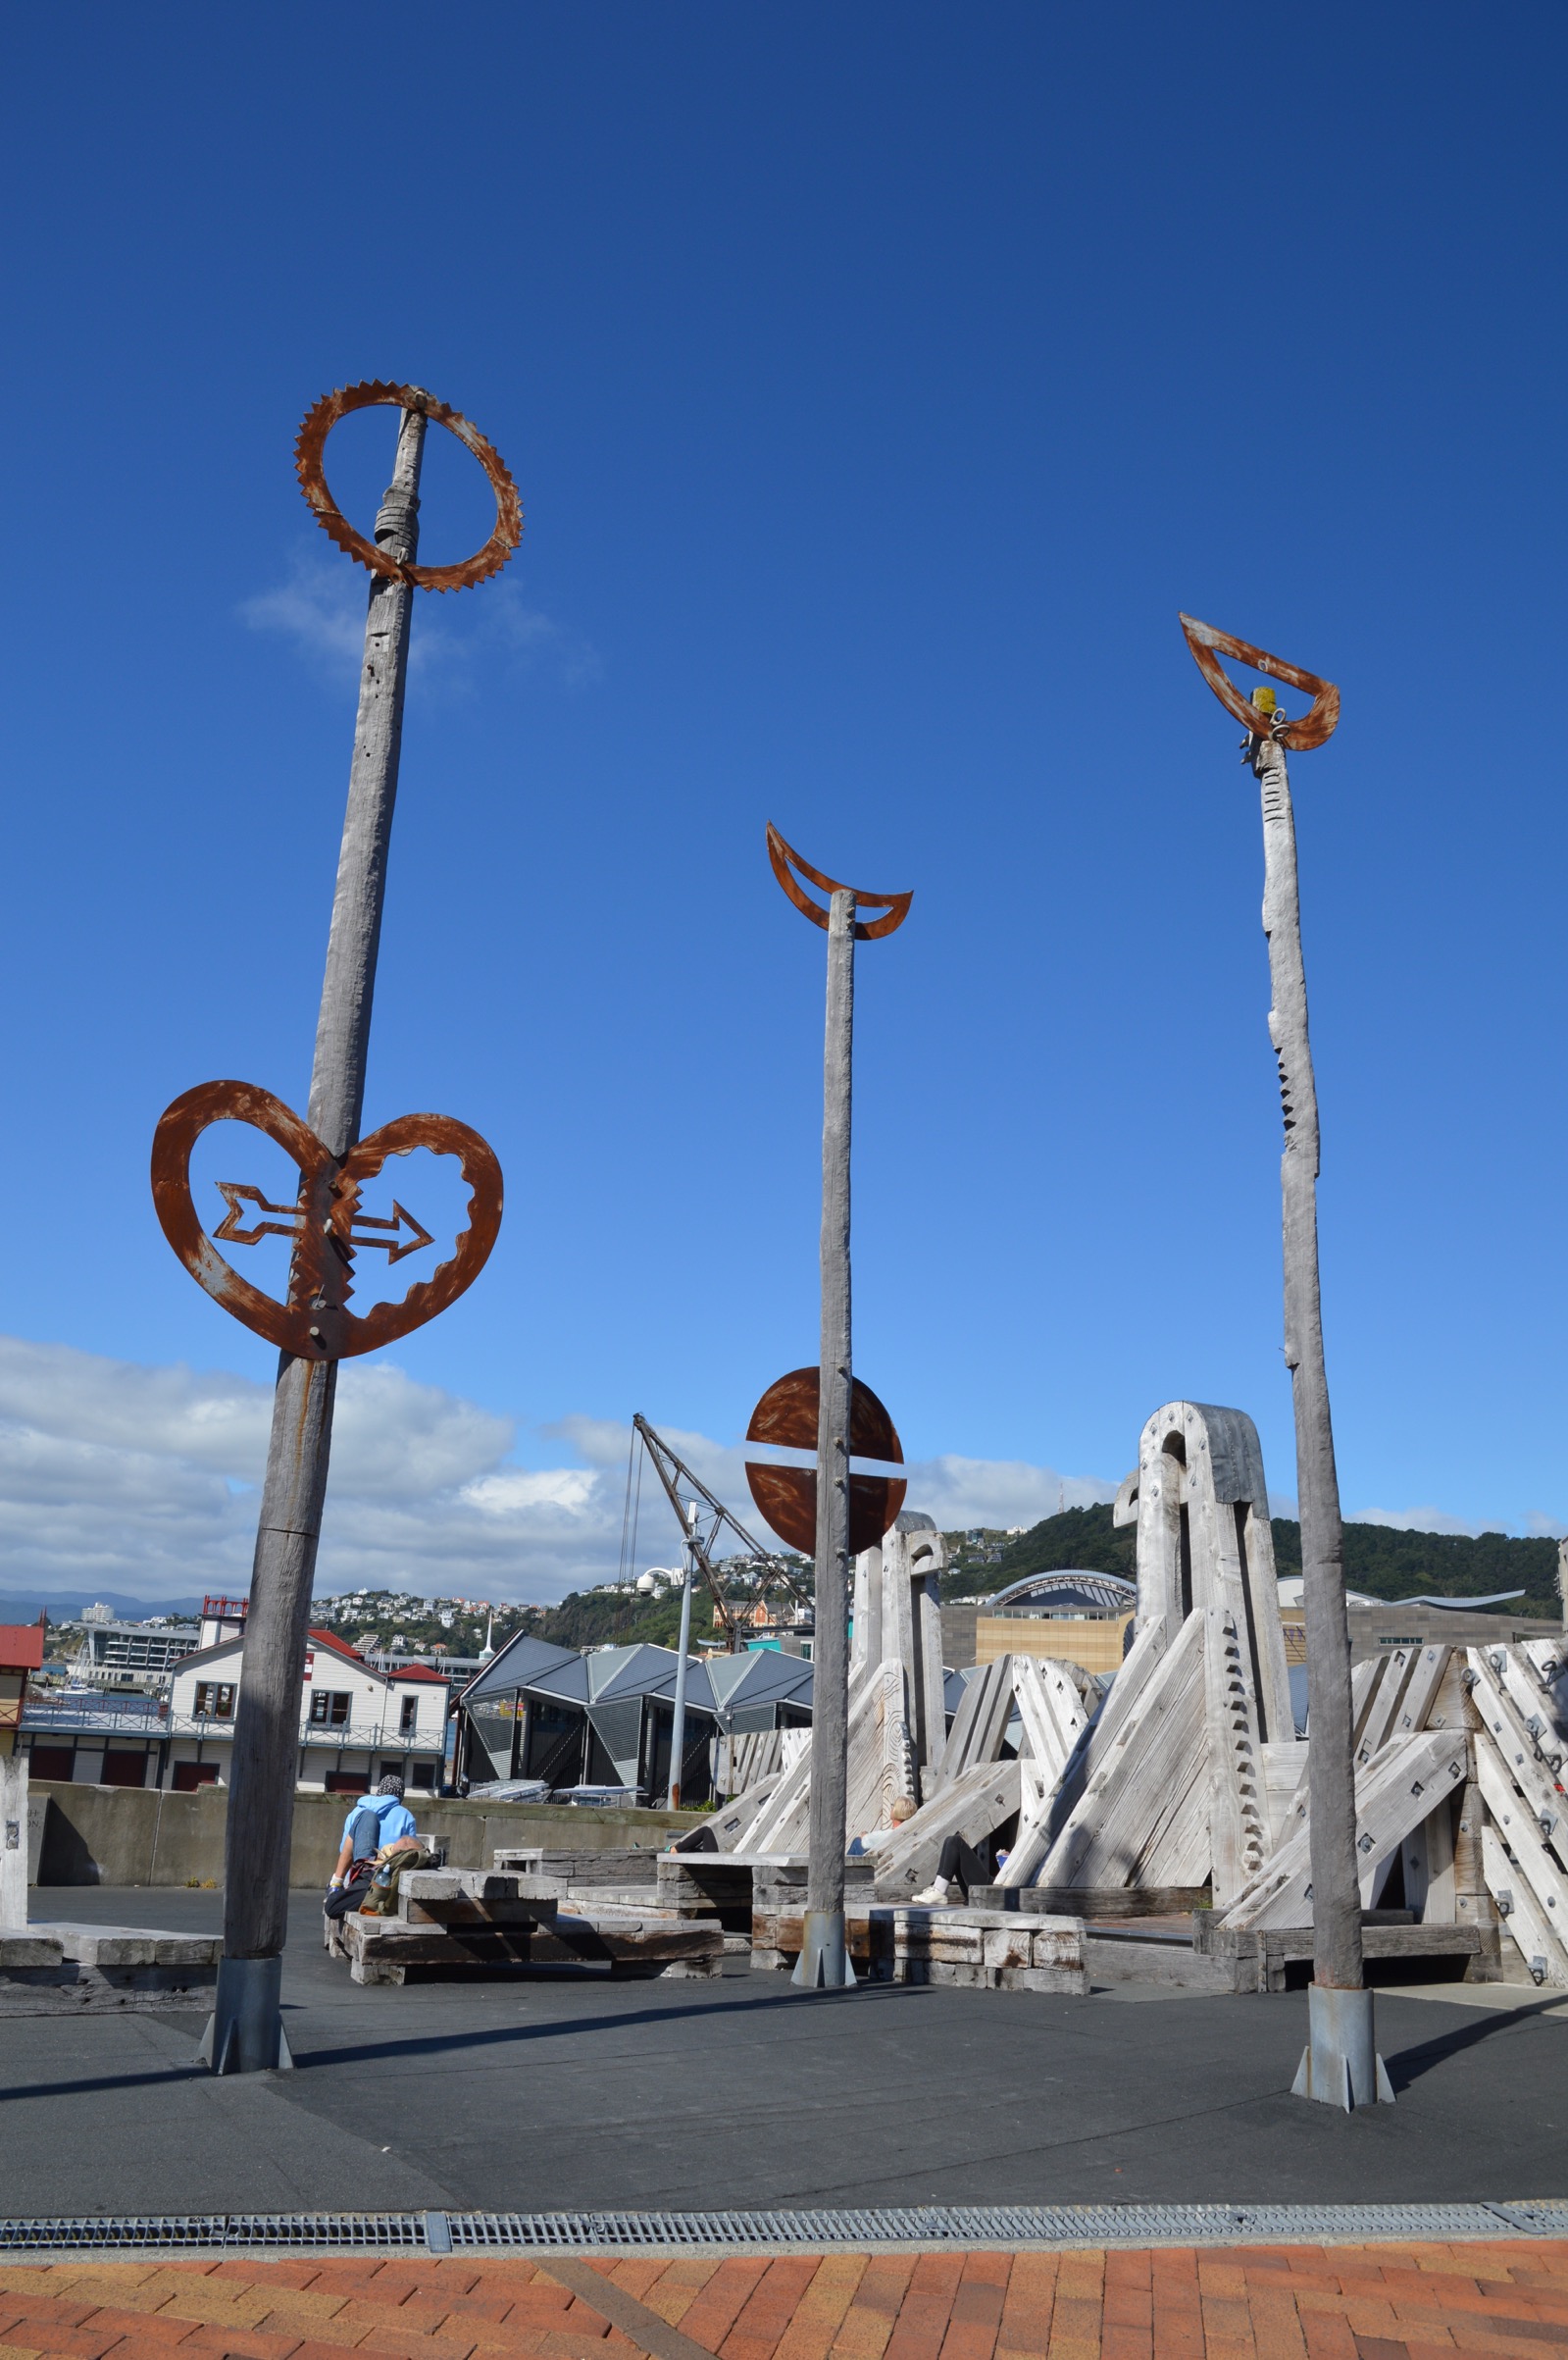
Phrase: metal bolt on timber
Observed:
(823, 1962)
(1341, 2065)
(245, 2033)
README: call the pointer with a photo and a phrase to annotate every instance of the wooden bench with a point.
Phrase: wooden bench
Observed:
(1260, 1958)
(969, 1949)
(462, 1922)
(67, 1969)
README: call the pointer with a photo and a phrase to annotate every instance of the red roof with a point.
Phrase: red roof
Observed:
(21, 1646)
(340, 1647)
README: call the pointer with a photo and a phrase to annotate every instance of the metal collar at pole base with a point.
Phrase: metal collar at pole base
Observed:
(1341, 2065)
(823, 1964)
(245, 2033)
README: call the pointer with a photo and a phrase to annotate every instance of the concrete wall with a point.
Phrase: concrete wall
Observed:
(138, 1836)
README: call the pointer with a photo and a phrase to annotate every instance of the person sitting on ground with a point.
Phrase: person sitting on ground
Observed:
(874, 1838)
(378, 1826)
(960, 1864)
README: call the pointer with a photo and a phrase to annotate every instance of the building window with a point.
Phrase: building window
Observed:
(422, 1778)
(411, 1714)
(329, 1708)
(214, 1700)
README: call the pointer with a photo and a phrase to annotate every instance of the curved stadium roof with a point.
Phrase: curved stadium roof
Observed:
(1072, 1586)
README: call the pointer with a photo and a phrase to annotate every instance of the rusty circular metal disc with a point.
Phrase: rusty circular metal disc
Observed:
(786, 1496)
(309, 465)
(316, 1324)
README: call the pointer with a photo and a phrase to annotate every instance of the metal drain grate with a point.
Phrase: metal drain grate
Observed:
(207, 2233)
(919, 2225)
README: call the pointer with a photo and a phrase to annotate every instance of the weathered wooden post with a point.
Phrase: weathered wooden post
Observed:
(314, 1328)
(824, 1952)
(823, 1960)
(1341, 2065)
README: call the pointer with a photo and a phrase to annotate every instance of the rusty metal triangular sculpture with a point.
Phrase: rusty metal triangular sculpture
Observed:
(1314, 728)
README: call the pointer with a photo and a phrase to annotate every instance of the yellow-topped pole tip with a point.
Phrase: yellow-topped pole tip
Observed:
(1265, 699)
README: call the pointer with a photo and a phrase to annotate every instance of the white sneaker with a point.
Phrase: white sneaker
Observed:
(935, 1897)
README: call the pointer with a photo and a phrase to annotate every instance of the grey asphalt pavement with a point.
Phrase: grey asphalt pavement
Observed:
(577, 2094)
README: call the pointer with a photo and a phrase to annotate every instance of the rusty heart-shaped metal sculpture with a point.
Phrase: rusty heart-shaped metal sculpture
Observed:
(316, 1324)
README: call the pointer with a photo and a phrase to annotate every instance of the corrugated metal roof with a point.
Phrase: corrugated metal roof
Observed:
(527, 1663)
(718, 1685)
(764, 1675)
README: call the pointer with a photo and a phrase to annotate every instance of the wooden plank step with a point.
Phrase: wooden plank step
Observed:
(474, 1897)
(380, 1949)
(1095, 1901)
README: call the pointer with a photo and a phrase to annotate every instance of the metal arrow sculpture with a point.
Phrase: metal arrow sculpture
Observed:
(325, 1223)
(1341, 2065)
(314, 1328)
(843, 1413)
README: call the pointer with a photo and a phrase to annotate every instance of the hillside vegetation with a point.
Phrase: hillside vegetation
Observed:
(1384, 1563)
(596, 1618)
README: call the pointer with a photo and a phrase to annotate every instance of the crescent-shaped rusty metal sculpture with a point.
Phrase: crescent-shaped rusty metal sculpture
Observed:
(309, 465)
(785, 860)
(1314, 727)
(315, 1323)
(786, 1414)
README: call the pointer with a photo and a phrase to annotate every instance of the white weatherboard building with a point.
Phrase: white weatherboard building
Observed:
(355, 1722)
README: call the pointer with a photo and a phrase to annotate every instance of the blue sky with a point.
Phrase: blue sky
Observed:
(878, 384)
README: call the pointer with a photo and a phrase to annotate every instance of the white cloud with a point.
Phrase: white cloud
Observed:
(964, 1491)
(145, 1481)
(119, 1478)
(114, 1477)
(1424, 1520)
(320, 610)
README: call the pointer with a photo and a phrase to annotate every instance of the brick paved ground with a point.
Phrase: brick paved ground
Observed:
(1379, 2302)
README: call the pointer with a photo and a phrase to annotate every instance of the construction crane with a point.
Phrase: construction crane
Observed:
(701, 1532)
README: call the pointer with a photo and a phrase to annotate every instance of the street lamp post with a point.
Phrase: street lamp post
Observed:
(677, 1723)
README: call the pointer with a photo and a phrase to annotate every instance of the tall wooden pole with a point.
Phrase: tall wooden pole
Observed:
(824, 1959)
(1340, 2062)
(245, 2033)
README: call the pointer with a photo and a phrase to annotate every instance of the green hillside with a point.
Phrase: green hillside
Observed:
(597, 1618)
(1384, 1563)
(1079, 1536)
(1400, 1564)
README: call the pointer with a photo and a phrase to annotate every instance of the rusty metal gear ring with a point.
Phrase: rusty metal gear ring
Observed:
(309, 452)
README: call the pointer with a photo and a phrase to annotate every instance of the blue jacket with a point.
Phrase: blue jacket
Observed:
(393, 1813)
